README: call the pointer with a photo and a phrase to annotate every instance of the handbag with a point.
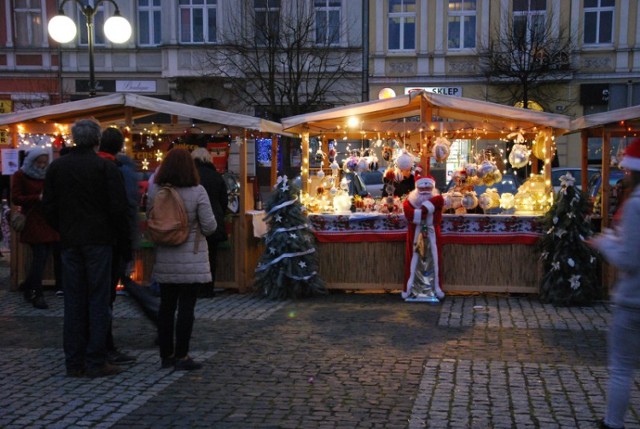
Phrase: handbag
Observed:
(17, 220)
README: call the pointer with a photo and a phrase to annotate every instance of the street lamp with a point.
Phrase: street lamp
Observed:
(62, 29)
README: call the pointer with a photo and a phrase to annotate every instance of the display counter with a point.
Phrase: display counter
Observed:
(481, 253)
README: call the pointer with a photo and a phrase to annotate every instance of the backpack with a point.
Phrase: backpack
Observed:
(167, 222)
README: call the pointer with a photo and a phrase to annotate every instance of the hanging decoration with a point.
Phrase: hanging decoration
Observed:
(441, 149)
(539, 146)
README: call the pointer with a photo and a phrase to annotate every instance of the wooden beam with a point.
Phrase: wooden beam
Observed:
(606, 157)
(584, 159)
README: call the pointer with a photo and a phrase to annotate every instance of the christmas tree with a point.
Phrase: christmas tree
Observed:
(570, 268)
(288, 267)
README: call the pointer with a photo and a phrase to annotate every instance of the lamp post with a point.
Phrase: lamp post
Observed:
(62, 29)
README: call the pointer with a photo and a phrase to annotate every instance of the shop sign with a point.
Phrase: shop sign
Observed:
(594, 94)
(455, 91)
(135, 86)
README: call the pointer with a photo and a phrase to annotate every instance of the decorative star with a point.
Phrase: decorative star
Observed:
(592, 259)
(293, 235)
(567, 180)
(149, 142)
(278, 218)
(544, 255)
(302, 264)
(574, 280)
(145, 164)
(555, 266)
(272, 250)
(571, 262)
(158, 155)
(571, 215)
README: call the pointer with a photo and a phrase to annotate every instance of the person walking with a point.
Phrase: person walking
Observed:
(216, 188)
(26, 190)
(111, 144)
(620, 247)
(84, 200)
(181, 270)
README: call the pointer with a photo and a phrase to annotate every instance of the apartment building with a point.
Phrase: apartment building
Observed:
(434, 44)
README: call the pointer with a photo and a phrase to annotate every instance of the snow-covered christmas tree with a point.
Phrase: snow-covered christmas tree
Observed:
(570, 266)
(288, 268)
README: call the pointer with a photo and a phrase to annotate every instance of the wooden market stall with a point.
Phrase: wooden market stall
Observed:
(482, 253)
(132, 113)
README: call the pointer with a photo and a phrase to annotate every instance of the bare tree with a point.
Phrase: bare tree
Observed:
(526, 57)
(283, 60)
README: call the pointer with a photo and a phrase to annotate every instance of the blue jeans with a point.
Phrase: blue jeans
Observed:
(87, 296)
(39, 255)
(624, 355)
(183, 298)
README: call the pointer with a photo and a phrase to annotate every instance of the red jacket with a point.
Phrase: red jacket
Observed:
(26, 192)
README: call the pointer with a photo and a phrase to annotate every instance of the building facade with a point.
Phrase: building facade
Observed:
(440, 45)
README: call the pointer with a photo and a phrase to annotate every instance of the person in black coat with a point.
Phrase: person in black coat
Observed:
(216, 188)
(84, 199)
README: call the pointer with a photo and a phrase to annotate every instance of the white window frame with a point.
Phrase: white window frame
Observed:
(269, 12)
(598, 10)
(325, 8)
(206, 7)
(530, 15)
(461, 15)
(402, 16)
(27, 32)
(151, 9)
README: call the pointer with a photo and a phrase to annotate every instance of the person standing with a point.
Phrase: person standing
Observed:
(26, 191)
(111, 144)
(620, 247)
(181, 270)
(216, 188)
(84, 200)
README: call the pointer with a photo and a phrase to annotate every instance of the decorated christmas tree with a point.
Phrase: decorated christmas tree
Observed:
(289, 266)
(570, 266)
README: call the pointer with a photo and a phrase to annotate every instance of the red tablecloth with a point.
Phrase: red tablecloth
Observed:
(467, 229)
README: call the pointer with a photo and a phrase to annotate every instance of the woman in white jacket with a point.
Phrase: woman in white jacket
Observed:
(181, 270)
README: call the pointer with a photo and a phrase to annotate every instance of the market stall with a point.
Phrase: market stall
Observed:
(488, 239)
(150, 126)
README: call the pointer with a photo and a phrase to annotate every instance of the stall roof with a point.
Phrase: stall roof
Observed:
(452, 113)
(116, 108)
(615, 119)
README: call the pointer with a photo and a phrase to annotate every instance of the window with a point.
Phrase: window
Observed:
(327, 22)
(402, 24)
(149, 23)
(267, 16)
(598, 21)
(198, 21)
(28, 23)
(529, 21)
(462, 24)
(98, 27)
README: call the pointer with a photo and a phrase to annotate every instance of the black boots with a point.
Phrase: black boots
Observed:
(34, 297)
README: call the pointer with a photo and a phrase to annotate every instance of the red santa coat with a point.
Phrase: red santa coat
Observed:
(416, 216)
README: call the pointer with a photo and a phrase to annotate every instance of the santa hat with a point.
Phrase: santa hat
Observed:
(424, 181)
(631, 159)
(404, 161)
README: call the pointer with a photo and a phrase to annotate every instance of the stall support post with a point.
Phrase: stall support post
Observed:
(274, 161)
(425, 115)
(584, 142)
(304, 171)
(246, 195)
(606, 188)
(546, 167)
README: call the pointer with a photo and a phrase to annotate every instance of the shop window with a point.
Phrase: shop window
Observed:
(598, 21)
(28, 23)
(402, 24)
(198, 21)
(462, 24)
(267, 18)
(149, 23)
(327, 14)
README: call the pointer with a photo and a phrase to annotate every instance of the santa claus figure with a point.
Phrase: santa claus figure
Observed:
(423, 210)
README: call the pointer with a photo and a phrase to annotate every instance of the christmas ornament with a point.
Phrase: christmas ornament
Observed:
(319, 156)
(519, 156)
(387, 151)
(471, 169)
(538, 147)
(470, 200)
(507, 201)
(441, 149)
(487, 167)
(320, 174)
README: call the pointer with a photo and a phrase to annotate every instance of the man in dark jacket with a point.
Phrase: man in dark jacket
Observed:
(216, 188)
(84, 200)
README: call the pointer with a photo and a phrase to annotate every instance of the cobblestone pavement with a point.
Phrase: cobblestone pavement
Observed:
(346, 360)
